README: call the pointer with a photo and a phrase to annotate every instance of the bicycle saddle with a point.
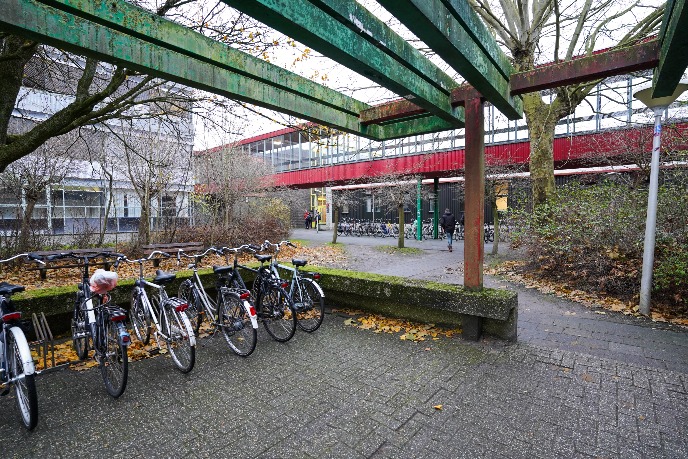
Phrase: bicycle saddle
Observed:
(263, 258)
(222, 269)
(297, 262)
(8, 289)
(161, 277)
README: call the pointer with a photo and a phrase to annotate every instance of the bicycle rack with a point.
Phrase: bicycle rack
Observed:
(45, 343)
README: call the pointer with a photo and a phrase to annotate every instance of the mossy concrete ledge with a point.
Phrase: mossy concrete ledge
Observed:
(492, 312)
(489, 311)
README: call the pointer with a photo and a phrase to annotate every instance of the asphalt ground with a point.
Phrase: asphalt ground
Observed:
(575, 385)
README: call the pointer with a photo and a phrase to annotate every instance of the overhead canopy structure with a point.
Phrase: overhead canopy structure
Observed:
(116, 31)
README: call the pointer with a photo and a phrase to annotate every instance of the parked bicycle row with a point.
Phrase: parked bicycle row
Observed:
(281, 297)
(358, 228)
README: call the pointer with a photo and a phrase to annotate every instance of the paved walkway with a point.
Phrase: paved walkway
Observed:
(348, 393)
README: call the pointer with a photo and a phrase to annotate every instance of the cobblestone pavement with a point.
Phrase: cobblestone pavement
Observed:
(343, 392)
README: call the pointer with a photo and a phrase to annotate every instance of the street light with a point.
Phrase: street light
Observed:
(657, 105)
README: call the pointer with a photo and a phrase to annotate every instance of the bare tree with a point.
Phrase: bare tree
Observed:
(400, 191)
(226, 176)
(539, 31)
(157, 167)
(97, 93)
(31, 177)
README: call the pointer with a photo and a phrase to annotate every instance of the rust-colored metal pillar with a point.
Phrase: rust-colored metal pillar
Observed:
(475, 192)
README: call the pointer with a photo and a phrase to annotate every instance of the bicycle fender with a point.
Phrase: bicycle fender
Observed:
(24, 350)
(317, 286)
(254, 319)
(189, 329)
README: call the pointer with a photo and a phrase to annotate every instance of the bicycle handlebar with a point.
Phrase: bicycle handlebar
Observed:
(246, 247)
(267, 244)
(29, 256)
(148, 258)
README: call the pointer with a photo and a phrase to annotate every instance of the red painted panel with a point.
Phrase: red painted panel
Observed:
(451, 163)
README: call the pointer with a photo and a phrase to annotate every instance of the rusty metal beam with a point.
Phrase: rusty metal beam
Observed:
(315, 27)
(474, 247)
(453, 30)
(140, 23)
(75, 34)
(615, 62)
(673, 58)
(643, 56)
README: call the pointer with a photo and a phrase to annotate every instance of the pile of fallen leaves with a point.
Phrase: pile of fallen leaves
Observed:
(28, 276)
(406, 330)
(516, 271)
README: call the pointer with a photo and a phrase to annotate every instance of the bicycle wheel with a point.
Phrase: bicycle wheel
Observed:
(278, 314)
(309, 305)
(195, 311)
(80, 328)
(27, 400)
(140, 318)
(114, 364)
(179, 333)
(236, 324)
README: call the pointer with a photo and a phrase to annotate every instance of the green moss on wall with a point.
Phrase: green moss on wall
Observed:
(412, 299)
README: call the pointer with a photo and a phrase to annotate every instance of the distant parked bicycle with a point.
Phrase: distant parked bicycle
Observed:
(488, 233)
(308, 297)
(98, 324)
(16, 364)
(232, 312)
(165, 313)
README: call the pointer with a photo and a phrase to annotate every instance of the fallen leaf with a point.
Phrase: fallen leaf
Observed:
(438, 407)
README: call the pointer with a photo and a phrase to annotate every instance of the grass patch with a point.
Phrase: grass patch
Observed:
(397, 251)
(301, 242)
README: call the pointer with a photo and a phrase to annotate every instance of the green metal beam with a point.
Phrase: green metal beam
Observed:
(456, 42)
(427, 125)
(372, 29)
(673, 57)
(140, 23)
(66, 31)
(312, 26)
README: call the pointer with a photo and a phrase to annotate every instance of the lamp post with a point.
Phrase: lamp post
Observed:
(658, 105)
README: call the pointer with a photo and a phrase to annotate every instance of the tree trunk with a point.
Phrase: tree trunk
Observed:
(25, 230)
(495, 218)
(400, 213)
(541, 120)
(108, 206)
(335, 223)
(15, 52)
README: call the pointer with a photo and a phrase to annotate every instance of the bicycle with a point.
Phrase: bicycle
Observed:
(232, 312)
(94, 319)
(165, 313)
(307, 295)
(16, 363)
(274, 306)
(488, 233)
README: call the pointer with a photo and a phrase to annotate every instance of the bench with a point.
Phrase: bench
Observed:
(172, 248)
(45, 254)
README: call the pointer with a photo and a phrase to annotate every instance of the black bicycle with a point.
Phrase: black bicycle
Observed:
(99, 325)
(274, 305)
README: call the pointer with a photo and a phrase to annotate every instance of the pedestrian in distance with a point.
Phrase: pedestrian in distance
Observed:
(306, 216)
(448, 224)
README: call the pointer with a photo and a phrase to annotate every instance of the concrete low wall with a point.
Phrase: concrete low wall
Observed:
(491, 311)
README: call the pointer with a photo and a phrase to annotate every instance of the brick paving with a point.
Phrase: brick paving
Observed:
(343, 392)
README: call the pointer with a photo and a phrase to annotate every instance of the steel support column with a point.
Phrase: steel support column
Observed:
(436, 207)
(419, 203)
(475, 193)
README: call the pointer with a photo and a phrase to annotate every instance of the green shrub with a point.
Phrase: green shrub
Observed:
(592, 237)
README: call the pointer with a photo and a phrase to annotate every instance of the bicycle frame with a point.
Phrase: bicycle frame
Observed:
(22, 345)
(197, 285)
